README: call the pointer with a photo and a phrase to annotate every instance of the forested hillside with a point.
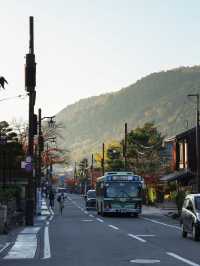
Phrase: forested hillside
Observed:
(159, 97)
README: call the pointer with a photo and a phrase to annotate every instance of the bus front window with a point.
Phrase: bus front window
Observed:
(122, 190)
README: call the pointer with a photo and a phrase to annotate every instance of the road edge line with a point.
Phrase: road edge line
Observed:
(174, 255)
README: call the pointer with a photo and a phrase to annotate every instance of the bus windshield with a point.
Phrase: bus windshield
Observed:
(122, 189)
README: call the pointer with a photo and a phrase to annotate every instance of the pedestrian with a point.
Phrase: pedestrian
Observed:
(51, 199)
(61, 200)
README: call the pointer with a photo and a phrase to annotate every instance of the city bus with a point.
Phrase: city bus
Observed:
(120, 193)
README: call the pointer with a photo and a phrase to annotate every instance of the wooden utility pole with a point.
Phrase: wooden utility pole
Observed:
(40, 145)
(30, 83)
(125, 146)
(102, 161)
(92, 168)
(197, 144)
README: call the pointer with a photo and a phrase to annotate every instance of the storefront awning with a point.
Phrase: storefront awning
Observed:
(177, 175)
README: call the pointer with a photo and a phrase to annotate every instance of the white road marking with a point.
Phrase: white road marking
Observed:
(41, 218)
(146, 235)
(30, 230)
(91, 215)
(138, 238)
(47, 223)
(87, 220)
(114, 227)
(4, 247)
(85, 212)
(167, 225)
(47, 250)
(100, 220)
(24, 248)
(145, 261)
(189, 262)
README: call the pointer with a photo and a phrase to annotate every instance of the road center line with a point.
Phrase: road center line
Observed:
(114, 227)
(146, 235)
(167, 225)
(100, 220)
(189, 262)
(138, 238)
(47, 250)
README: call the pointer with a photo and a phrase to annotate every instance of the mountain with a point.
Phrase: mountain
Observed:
(159, 97)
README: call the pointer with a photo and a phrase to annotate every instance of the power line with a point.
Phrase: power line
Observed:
(22, 96)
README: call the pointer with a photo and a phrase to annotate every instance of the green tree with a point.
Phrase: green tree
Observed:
(144, 149)
(6, 132)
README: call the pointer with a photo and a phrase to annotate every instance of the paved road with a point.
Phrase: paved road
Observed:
(83, 238)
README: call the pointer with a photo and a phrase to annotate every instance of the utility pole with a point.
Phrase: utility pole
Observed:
(30, 83)
(102, 161)
(197, 143)
(125, 146)
(40, 145)
(92, 167)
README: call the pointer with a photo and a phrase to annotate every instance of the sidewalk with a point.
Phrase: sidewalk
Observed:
(167, 209)
(6, 241)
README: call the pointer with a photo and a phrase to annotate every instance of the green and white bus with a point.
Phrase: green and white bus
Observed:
(119, 192)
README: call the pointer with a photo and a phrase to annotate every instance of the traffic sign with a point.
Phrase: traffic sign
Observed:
(28, 167)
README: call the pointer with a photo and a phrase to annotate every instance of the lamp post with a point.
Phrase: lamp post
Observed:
(51, 124)
(197, 143)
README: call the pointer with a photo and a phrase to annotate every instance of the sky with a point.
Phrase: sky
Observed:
(90, 47)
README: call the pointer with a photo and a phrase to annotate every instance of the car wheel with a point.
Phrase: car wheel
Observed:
(195, 234)
(184, 233)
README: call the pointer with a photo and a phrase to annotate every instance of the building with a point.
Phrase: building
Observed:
(181, 151)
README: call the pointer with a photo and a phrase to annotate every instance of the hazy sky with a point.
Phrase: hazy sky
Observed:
(90, 47)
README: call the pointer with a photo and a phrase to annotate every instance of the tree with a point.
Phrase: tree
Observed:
(144, 149)
(2, 82)
(7, 133)
(113, 157)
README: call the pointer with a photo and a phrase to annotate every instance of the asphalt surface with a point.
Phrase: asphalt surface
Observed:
(81, 237)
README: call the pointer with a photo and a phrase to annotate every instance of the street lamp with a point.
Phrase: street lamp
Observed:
(51, 124)
(197, 142)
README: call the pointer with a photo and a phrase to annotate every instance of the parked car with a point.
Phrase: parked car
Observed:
(90, 199)
(190, 216)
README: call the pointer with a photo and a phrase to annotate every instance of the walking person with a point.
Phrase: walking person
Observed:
(61, 200)
(51, 199)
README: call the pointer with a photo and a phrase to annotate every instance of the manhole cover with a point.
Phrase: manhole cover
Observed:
(145, 261)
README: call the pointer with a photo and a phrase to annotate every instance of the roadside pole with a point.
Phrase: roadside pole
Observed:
(125, 146)
(30, 83)
(102, 161)
(197, 189)
(92, 167)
